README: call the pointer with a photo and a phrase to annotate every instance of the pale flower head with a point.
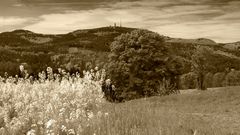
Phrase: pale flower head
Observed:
(96, 68)
(21, 68)
(71, 132)
(50, 123)
(64, 128)
(106, 114)
(90, 115)
(31, 132)
(108, 81)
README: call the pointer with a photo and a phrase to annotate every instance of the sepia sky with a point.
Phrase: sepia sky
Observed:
(215, 19)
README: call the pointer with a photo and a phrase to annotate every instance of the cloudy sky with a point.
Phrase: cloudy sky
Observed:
(215, 19)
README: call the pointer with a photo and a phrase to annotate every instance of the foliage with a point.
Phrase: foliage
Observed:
(208, 80)
(138, 61)
(218, 79)
(232, 78)
(93, 45)
(200, 64)
(188, 81)
(166, 87)
(63, 106)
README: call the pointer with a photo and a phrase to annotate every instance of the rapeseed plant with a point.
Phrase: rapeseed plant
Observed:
(55, 103)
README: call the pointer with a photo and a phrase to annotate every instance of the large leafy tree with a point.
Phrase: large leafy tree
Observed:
(138, 62)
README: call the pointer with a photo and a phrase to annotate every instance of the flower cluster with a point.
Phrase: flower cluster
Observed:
(53, 103)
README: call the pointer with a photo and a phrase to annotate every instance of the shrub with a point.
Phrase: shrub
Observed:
(208, 81)
(188, 81)
(218, 79)
(233, 78)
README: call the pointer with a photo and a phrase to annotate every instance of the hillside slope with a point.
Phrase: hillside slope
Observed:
(233, 46)
(91, 45)
(212, 112)
(94, 39)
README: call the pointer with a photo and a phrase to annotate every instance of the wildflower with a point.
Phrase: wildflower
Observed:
(90, 115)
(41, 99)
(96, 68)
(50, 132)
(71, 132)
(40, 123)
(62, 110)
(31, 132)
(63, 128)
(34, 125)
(103, 75)
(80, 128)
(21, 68)
(99, 113)
(106, 114)
(67, 120)
(50, 123)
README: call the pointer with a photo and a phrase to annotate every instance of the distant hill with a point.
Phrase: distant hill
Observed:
(90, 45)
(200, 41)
(232, 46)
(94, 39)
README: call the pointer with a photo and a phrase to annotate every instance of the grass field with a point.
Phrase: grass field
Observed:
(212, 112)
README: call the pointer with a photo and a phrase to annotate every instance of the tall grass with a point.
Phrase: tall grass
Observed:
(213, 112)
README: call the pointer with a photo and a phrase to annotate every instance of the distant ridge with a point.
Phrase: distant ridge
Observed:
(233, 46)
(89, 37)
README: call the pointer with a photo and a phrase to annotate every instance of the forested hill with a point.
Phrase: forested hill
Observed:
(92, 39)
(89, 47)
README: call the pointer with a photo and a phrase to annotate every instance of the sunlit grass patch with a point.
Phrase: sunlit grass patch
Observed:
(212, 112)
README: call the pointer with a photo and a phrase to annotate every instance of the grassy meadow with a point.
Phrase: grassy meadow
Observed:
(212, 112)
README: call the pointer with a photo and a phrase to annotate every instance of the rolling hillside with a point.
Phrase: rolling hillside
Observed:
(90, 45)
(93, 39)
(212, 112)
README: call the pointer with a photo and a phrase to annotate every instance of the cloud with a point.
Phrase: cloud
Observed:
(70, 1)
(218, 32)
(186, 21)
(177, 18)
(18, 5)
(72, 20)
(10, 21)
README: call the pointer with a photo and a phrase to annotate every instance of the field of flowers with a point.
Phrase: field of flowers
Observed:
(49, 105)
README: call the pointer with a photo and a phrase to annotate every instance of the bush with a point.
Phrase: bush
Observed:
(218, 79)
(188, 81)
(208, 81)
(233, 78)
